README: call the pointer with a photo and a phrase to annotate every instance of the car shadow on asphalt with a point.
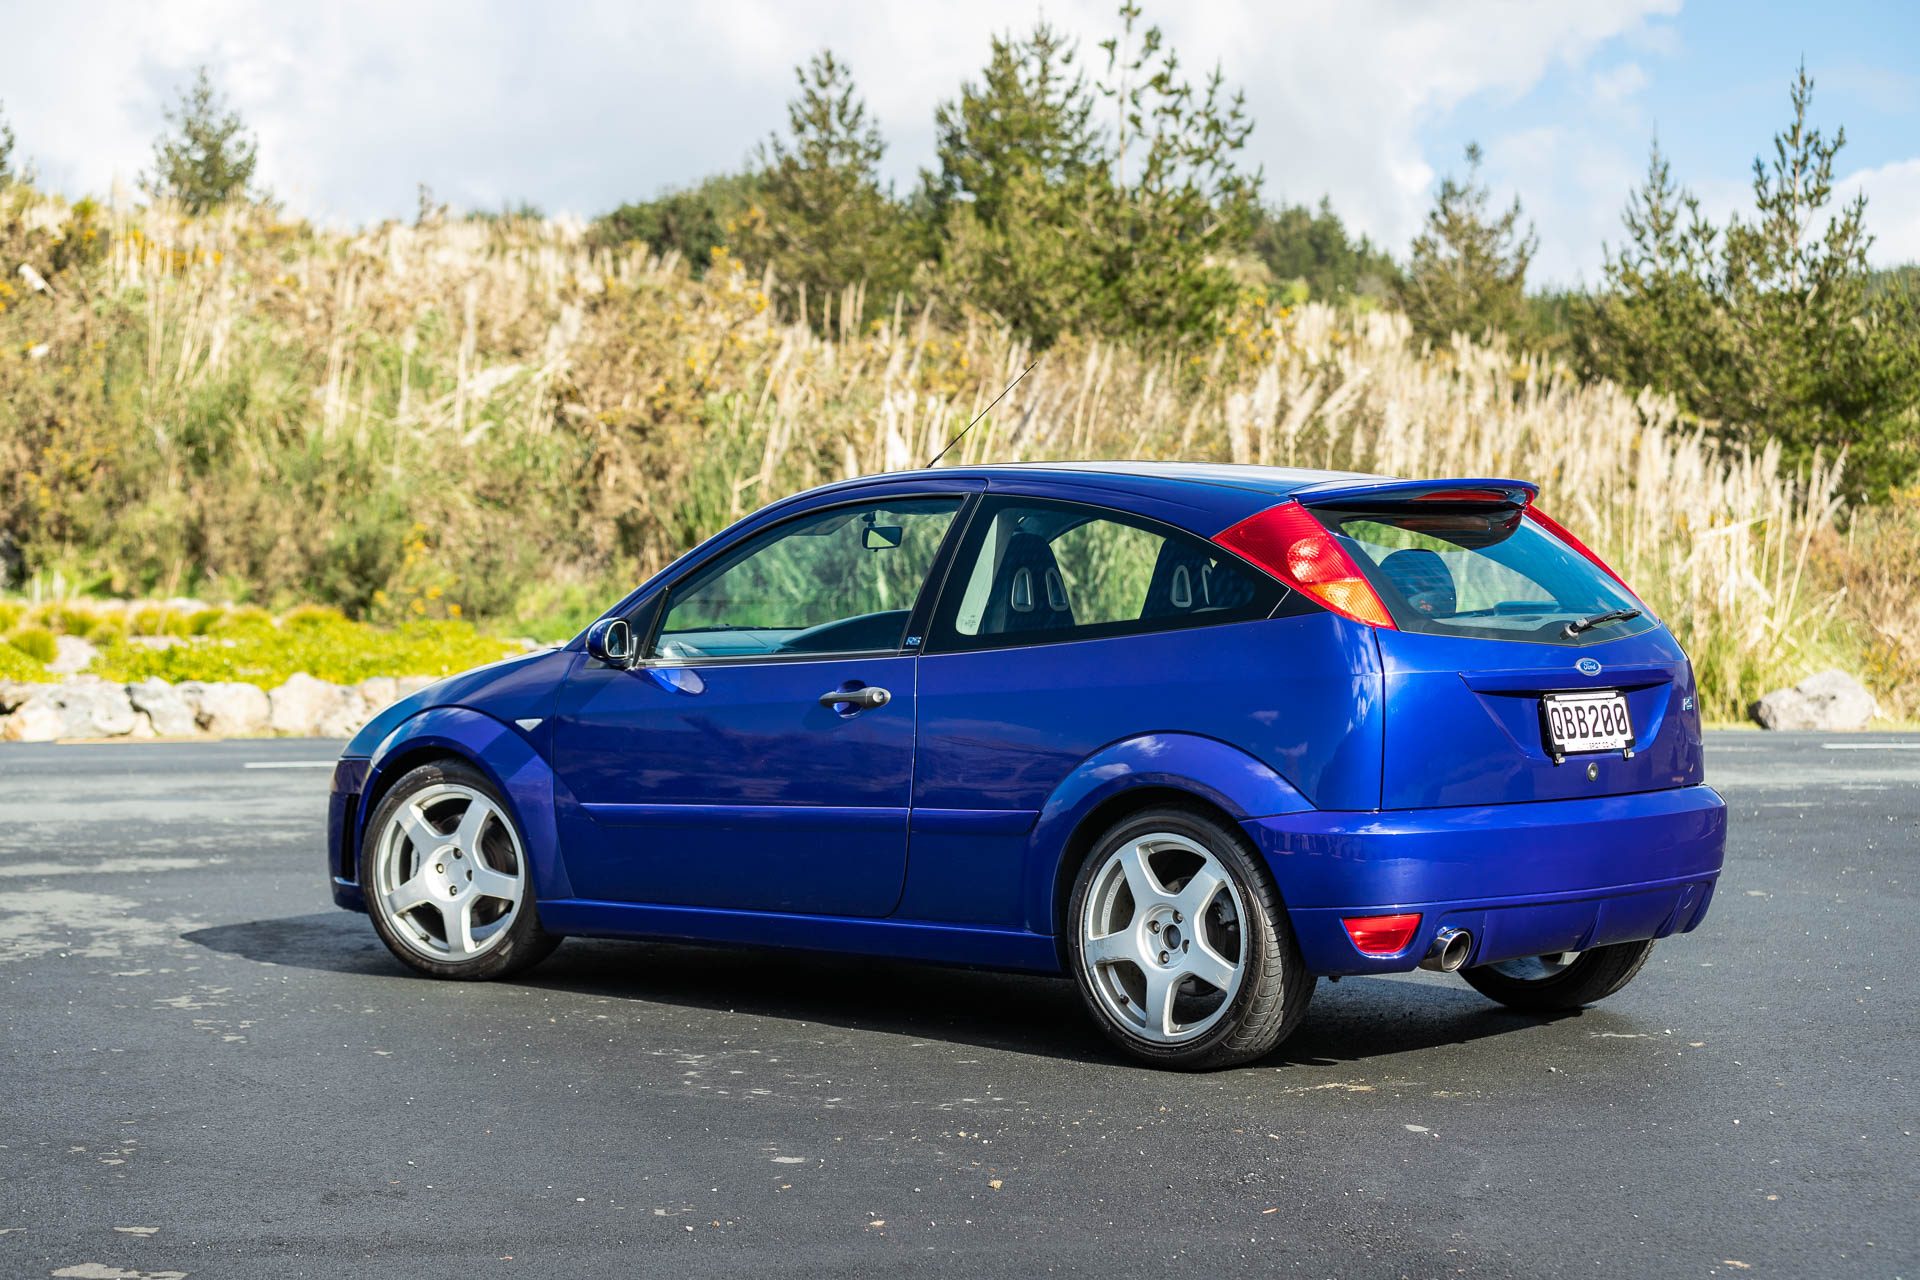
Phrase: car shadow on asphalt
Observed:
(1354, 1021)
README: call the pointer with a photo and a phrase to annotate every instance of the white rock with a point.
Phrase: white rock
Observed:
(234, 710)
(71, 655)
(310, 708)
(96, 709)
(37, 719)
(300, 704)
(380, 692)
(410, 685)
(349, 712)
(171, 711)
(83, 708)
(1829, 701)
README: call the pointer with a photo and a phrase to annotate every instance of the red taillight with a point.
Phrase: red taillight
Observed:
(1294, 547)
(1382, 935)
(1559, 531)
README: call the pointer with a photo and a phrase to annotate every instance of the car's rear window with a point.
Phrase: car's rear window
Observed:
(1490, 573)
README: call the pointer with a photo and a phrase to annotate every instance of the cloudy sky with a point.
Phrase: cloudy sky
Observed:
(577, 106)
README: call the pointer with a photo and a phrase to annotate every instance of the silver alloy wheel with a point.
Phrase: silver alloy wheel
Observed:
(1164, 961)
(1536, 968)
(449, 873)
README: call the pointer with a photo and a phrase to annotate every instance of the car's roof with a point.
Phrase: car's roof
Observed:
(1204, 497)
(1277, 481)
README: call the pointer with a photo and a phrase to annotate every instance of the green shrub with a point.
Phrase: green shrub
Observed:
(318, 642)
(312, 617)
(156, 620)
(37, 643)
(15, 665)
(66, 620)
(10, 614)
(247, 620)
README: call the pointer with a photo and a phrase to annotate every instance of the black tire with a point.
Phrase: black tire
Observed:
(1274, 985)
(1595, 975)
(521, 944)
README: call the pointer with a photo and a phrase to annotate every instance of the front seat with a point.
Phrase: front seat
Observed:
(1423, 578)
(1028, 593)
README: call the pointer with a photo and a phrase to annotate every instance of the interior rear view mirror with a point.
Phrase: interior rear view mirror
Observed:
(879, 537)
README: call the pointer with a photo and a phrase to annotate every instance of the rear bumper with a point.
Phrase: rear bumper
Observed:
(1523, 879)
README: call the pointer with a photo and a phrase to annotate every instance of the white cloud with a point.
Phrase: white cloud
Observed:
(1618, 83)
(580, 107)
(1893, 209)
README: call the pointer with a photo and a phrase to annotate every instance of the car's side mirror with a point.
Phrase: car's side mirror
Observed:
(610, 640)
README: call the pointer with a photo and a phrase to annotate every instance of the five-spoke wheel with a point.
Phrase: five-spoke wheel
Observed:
(1183, 951)
(446, 876)
(1162, 937)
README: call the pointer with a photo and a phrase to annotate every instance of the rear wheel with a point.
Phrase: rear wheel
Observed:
(1560, 981)
(1181, 946)
(446, 877)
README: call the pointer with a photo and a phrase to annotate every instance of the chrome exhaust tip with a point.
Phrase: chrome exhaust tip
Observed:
(1449, 950)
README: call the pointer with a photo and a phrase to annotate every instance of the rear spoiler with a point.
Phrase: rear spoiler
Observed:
(1373, 493)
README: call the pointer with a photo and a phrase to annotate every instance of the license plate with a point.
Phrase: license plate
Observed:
(1585, 722)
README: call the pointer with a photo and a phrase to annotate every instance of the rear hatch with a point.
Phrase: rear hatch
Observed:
(1518, 667)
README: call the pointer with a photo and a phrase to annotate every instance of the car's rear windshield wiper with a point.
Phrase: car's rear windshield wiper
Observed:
(1599, 619)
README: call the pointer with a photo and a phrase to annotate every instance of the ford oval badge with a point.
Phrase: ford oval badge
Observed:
(1587, 667)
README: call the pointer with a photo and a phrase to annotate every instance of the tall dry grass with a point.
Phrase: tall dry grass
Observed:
(491, 417)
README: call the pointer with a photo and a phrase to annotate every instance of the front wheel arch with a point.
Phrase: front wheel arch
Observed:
(502, 754)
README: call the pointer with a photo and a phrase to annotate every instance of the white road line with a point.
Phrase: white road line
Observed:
(288, 764)
(1871, 746)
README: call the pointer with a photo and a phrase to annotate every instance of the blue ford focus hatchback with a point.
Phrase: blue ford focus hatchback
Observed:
(1195, 735)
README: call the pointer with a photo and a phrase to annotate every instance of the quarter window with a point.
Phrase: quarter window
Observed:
(1033, 571)
(837, 581)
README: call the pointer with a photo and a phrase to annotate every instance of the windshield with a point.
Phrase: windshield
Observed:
(1490, 574)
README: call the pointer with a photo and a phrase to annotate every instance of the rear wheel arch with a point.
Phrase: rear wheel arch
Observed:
(1211, 777)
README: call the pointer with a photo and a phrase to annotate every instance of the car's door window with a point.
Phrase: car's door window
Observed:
(1035, 571)
(842, 580)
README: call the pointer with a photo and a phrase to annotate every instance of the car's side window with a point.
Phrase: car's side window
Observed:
(1035, 571)
(842, 580)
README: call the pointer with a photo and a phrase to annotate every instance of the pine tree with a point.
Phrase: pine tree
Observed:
(1771, 329)
(1056, 222)
(825, 222)
(1020, 182)
(207, 157)
(1468, 270)
(6, 148)
(1030, 116)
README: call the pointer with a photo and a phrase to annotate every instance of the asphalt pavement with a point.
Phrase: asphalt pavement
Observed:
(207, 1070)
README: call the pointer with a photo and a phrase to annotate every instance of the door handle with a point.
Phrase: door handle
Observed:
(858, 699)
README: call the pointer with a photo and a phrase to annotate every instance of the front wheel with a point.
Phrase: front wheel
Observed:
(446, 877)
(1561, 981)
(1181, 946)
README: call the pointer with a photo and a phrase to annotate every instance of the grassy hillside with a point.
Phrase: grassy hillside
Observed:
(489, 419)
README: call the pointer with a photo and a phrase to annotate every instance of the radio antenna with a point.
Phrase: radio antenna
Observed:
(983, 413)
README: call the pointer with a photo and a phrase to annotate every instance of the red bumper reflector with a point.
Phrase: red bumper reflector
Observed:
(1382, 935)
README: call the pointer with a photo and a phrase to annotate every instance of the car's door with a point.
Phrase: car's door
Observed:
(1064, 628)
(720, 771)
